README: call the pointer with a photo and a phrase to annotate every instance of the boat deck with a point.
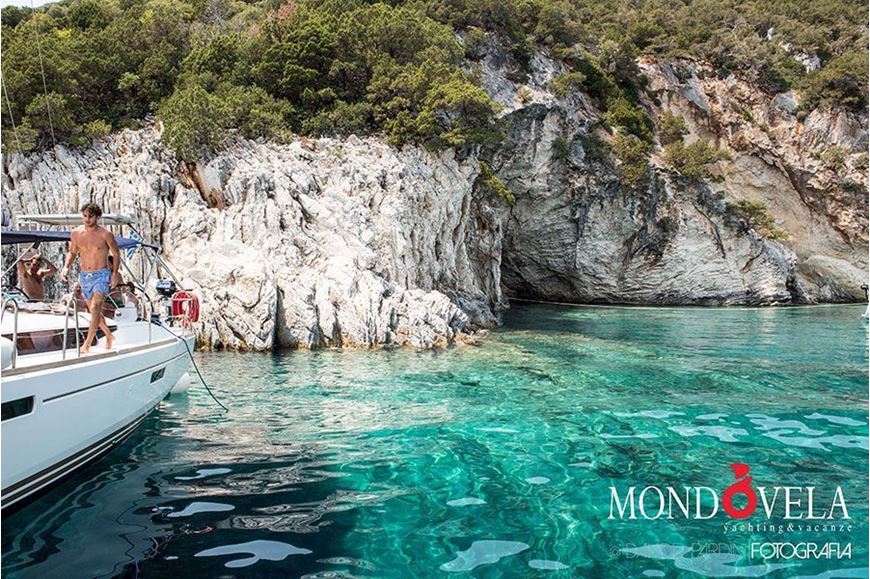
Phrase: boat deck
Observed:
(55, 359)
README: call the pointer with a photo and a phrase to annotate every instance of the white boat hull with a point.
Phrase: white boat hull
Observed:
(82, 408)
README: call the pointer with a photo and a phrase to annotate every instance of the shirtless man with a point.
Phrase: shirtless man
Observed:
(94, 243)
(32, 275)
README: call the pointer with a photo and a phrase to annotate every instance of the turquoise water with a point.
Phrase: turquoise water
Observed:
(494, 460)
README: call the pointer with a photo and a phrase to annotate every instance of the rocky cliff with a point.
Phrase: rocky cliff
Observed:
(327, 242)
(317, 243)
(576, 234)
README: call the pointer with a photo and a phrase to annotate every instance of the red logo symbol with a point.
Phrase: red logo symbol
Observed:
(743, 486)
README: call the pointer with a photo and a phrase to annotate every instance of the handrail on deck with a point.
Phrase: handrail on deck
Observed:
(14, 327)
(71, 300)
(147, 311)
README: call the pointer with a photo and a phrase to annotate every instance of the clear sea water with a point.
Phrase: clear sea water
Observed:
(493, 460)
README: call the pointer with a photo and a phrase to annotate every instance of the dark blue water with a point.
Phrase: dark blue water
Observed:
(495, 460)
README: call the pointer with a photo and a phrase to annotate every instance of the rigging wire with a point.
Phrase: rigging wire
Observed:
(20, 150)
(11, 116)
(42, 69)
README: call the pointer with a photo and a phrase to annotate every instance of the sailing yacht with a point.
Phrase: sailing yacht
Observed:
(62, 408)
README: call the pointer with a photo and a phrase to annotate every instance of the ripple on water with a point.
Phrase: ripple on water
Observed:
(266, 550)
(201, 507)
(466, 501)
(546, 565)
(205, 472)
(649, 414)
(836, 419)
(706, 564)
(483, 553)
(722, 433)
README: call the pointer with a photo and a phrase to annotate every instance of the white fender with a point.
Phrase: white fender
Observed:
(182, 385)
(6, 350)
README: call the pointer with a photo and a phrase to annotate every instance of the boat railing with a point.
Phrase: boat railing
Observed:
(14, 304)
(149, 312)
(146, 310)
(67, 302)
(147, 305)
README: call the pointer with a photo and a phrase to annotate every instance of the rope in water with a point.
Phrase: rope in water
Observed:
(198, 373)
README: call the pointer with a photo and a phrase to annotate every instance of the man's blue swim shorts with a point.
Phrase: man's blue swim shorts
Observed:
(95, 281)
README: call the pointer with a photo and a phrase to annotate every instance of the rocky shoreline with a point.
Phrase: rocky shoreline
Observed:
(353, 243)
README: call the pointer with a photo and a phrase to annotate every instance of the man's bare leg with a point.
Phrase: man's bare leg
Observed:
(95, 306)
(105, 327)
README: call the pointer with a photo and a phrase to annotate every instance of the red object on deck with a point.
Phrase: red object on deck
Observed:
(185, 307)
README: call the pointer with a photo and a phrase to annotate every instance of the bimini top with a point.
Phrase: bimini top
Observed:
(10, 237)
(73, 219)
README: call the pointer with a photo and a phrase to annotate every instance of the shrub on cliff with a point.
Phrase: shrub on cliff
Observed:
(693, 161)
(431, 104)
(842, 82)
(633, 155)
(561, 149)
(567, 83)
(254, 112)
(343, 119)
(488, 183)
(672, 128)
(196, 120)
(474, 44)
(52, 112)
(631, 118)
(756, 215)
(835, 157)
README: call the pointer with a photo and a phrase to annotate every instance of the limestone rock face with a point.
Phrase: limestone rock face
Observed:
(576, 234)
(328, 242)
(810, 170)
(316, 243)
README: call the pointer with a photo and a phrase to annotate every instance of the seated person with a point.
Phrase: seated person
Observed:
(32, 271)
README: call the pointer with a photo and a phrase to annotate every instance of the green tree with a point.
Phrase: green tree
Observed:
(431, 103)
(254, 112)
(342, 119)
(88, 14)
(12, 16)
(193, 122)
(51, 113)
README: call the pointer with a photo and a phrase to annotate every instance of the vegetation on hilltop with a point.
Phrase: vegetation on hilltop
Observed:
(272, 68)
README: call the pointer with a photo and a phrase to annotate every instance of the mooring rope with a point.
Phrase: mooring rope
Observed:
(198, 373)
